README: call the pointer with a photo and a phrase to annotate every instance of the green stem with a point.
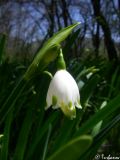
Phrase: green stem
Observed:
(48, 73)
(60, 61)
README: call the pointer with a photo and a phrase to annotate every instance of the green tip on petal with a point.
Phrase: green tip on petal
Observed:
(69, 110)
(70, 105)
(54, 100)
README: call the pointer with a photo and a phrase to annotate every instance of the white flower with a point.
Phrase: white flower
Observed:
(63, 92)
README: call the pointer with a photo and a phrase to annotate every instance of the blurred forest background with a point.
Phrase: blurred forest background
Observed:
(92, 55)
(27, 24)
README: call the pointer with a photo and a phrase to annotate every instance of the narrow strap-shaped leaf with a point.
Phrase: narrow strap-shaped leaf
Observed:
(71, 41)
(23, 136)
(98, 126)
(61, 35)
(39, 134)
(5, 140)
(49, 51)
(11, 100)
(73, 149)
(113, 81)
(99, 138)
(88, 88)
(65, 133)
(46, 142)
(2, 45)
(112, 106)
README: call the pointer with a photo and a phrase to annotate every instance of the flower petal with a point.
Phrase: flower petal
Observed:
(63, 92)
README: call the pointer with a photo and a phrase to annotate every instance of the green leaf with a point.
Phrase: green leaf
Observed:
(40, 132)
(46, 143)
(88, 88)
(111, 107)
(60, 36)
(113, 82)
(11, 100)
(73, 149)
(97, 127)
(99, 138)
(23, 136)
(2, 45)
(71, 41)
(65, 132)
(6, 135)
(48, 52)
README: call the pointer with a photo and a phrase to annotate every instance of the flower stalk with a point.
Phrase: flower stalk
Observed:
(60, 61)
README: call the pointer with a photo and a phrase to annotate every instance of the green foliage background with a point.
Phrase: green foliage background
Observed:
(29, 132)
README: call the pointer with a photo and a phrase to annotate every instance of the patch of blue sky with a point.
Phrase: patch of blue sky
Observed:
(75, 14)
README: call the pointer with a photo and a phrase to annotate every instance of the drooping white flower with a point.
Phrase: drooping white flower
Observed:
(63, 92)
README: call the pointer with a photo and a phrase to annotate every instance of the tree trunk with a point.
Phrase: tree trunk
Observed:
(64, 12)
(96, 38)
(101, 20)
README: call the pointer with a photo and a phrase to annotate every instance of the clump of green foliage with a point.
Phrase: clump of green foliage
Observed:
(29, 132)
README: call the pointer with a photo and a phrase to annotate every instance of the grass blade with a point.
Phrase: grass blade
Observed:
(5, 140)
(2, 45)
(40, 133)
(99, 138)
(112, 106)
(23, 136)
(88, 88)
(46, 143)
(11, 100)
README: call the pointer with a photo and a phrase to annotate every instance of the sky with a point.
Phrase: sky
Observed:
(35, 19)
